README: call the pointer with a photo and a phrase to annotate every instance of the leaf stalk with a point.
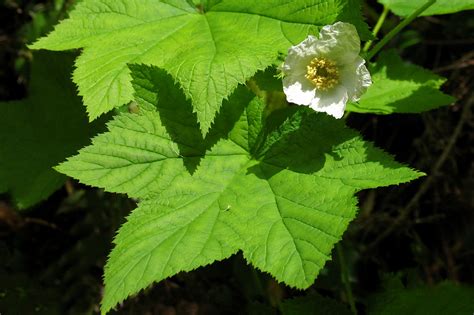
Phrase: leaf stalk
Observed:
(377, 27)
(398, 28)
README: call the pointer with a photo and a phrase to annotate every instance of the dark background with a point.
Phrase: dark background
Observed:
(51, 256)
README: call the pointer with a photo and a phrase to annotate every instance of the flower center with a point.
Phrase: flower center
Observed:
(323, 73)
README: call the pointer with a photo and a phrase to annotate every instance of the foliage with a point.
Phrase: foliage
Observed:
(444, 298)
(42, 130)
(240, 195)
(203, 140)
(209, 53)
(400, 87)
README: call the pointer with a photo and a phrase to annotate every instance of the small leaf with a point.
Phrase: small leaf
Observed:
(400, 87)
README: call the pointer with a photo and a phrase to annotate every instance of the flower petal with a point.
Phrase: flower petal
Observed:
(339, 42)
(298, 90)
(356, 79)
(332, 102)
(299, 56)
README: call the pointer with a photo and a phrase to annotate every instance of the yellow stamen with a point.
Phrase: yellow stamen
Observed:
(323, 73)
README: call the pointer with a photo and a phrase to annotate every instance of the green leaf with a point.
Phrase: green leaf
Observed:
(400, 87)
(284, 197)
(209, 54)
(314, 304)
(407, 7)
(444, 298)
(179, 230)
(142, 150)
(40, 131)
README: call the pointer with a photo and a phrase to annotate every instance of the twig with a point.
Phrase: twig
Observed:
(465, 61)
(41, 222)
(456, 65)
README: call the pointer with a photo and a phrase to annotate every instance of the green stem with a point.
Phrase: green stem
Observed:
(253, 86)
(345, 278)
(377, 27)
(398, 28)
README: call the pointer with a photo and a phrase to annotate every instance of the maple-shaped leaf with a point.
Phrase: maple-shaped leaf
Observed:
(279, 188)
(42, 130)
(209, 50)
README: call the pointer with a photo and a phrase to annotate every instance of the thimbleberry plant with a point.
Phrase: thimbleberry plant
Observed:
(217, 166)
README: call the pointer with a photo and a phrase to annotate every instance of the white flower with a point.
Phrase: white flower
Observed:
(328, 72)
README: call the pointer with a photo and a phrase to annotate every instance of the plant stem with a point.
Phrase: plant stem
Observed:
(253, 86)
(377, 27)
(345, 278)
(398, 28)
